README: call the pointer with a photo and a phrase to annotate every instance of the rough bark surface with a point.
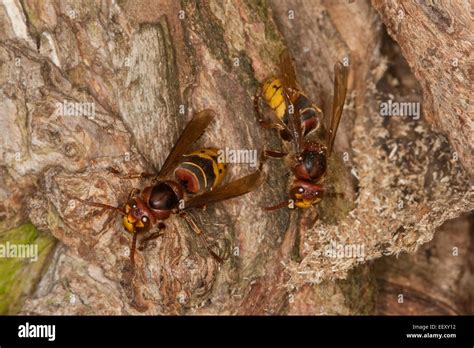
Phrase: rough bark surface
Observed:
(437, 280)
(436, 40)
(147, 66)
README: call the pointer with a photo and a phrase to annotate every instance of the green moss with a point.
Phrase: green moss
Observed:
(210, 30)
(259, 9)
(30, 14)
(34, 23)
(359, 289)
(3, 225)
(19, 276)
(269, 50)
(246, 73)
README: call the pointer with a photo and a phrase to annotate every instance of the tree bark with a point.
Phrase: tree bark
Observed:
(146, 66)
(439, 57)
(437, 280)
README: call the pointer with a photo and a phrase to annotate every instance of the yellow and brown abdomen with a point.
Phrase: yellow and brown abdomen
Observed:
(201, 171)
(272, 93)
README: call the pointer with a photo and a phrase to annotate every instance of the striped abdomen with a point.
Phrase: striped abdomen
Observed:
(308, 113)
(273, 95)
(200, 171)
